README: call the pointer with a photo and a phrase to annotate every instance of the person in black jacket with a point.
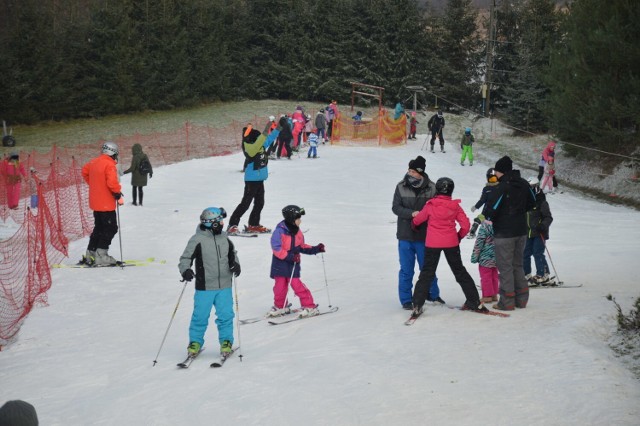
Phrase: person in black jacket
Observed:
(436, 126)
(507, 207)
(410, 196)
(284, 138)
(538, 222)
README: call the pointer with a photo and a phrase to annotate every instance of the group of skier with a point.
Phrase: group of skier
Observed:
(513, 227)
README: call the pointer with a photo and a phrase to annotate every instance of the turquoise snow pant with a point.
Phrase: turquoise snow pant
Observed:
(467, 150)
(203, 301)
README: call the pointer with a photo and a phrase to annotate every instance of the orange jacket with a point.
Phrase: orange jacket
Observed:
(102, 177)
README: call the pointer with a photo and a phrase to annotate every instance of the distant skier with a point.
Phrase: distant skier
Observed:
(216, 262)
(287, 242)
(436, 126)
(413, 126)
(466, 145)
(548, 153)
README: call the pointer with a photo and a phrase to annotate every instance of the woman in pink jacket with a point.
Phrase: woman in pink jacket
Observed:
(441, 214)
(13, 173)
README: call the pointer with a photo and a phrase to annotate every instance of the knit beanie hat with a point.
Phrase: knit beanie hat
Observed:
(418, 164)
(504, 165)
(18, 413)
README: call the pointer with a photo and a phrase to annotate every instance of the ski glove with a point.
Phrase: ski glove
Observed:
(235, 269)
(473, 208)
(150, 175)
(541, 228)
(296, 258)
(320, 248)
(188, 275)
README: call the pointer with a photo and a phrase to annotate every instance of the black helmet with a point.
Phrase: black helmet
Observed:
(491, 175)
(291, 213)
(444, 186)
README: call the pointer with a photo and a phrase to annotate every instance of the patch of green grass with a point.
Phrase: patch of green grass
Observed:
(44, 135)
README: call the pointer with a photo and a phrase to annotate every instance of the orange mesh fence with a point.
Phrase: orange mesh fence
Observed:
(36, 235)
(375, 129)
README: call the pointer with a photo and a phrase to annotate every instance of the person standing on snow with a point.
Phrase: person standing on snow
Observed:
(284, 138)
(548, 154)
(104, 192)
(413, 126)
(492, 182)
(216, 262)
(13, 172)
(466, 145)
(507, 208)
(538, 222)
(441, 214)
(436, 126)
(321, 125)
(255, 145)
(410, 196)
(138, 178)
(287, 242)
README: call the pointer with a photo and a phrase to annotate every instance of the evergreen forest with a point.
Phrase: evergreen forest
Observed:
(572, 71)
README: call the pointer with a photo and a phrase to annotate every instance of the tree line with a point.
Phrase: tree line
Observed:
(571, 71)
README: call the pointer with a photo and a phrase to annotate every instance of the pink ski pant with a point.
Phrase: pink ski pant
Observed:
(281, 287)
(489, 281)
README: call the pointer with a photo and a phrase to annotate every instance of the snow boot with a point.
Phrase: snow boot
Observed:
(225, 348)
(309, 312)
(278, 312)
(89, 258)
(194, 348)
(256, 229)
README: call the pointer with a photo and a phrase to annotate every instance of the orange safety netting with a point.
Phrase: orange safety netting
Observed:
(375, 129)
(36, 234)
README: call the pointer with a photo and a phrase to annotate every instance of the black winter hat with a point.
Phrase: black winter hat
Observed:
(504, 165)
(18, 413)
(418, 164)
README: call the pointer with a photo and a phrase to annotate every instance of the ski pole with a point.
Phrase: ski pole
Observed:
(286, 299)
(119, 234)
(235, 290)
(551, 260)
(424, 143)
(326, 284)
(155, 361)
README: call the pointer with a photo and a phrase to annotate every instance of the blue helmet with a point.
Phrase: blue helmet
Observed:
(467, 130)
(212, 216)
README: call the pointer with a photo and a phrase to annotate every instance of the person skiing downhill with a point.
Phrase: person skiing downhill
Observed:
(216, 262)
(441, 214)
(287, 242)
(466, 145)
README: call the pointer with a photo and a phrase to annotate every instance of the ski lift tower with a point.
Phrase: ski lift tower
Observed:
(415, 90)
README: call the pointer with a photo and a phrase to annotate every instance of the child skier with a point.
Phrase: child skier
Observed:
(313, 146)
(485, 256)
(549, 173)
(466, 145)
(287, 242)
(216, 261)
(538, 222)
(441, 214)
(492, 182)
(413, 126)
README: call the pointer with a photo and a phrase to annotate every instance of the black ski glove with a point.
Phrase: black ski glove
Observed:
(188, 275)
(235, 269)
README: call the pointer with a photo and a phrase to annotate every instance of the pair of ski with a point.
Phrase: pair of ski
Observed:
(216, 364)
(415, 316)
(286, 318)
(81, 264)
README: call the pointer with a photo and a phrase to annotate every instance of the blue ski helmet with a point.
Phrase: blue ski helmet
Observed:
(212, 216)
(467, 131)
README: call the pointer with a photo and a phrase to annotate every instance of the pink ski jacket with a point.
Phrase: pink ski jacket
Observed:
(441, 214)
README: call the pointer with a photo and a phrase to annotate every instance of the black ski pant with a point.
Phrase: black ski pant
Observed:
(137, 193)
(440, 136)
(105, 228)
(286, 142)
(253, 191)
(428, 273)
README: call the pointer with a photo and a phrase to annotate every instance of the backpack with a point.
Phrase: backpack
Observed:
(145, 166)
